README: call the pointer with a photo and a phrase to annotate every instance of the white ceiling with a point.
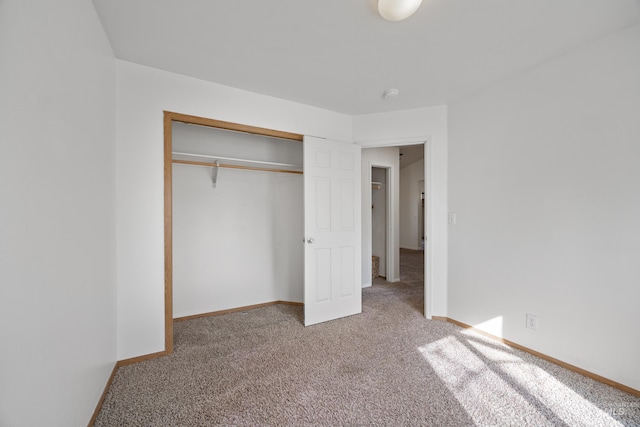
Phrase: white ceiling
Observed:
(341, 55)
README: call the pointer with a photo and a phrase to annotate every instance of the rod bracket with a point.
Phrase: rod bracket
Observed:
(214, 174)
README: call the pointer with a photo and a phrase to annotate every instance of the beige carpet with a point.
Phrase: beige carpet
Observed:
(387, 366)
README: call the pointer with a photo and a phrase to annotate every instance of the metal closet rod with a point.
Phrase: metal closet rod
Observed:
(232, 159)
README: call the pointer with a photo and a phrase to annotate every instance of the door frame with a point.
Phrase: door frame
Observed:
(169, 118)
(428, 210)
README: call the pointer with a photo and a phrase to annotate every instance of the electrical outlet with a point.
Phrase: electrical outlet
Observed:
(532, 321)
(452, 218)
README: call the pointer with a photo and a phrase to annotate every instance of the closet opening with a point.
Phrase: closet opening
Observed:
(233, 218)
(381, 245)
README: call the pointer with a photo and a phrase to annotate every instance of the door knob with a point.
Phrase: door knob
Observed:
(310, 240)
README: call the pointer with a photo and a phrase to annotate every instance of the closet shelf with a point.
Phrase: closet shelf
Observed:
(233, 159)
(234, 163)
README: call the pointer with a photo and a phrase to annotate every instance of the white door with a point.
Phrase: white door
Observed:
(332, 256)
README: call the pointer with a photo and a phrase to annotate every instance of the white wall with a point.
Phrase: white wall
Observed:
(57, 212)
(411, 185)
(240, 243)
(413, 126)
(288, 193)
(545, 181)
(143, 94)
(385, 157)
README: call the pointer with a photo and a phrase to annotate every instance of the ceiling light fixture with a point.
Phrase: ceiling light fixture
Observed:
(397, 10)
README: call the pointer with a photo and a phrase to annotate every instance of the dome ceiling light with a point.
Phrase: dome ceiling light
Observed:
(397, 10)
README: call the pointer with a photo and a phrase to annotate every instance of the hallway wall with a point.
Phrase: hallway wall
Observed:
(410, 189)
(387, 157)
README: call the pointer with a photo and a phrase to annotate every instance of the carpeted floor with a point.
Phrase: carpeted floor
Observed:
(387, 366)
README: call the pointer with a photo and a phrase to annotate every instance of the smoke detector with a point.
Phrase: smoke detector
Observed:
(390, 94)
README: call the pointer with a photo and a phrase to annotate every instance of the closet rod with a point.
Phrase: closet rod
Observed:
(231, 159)
(222, 165)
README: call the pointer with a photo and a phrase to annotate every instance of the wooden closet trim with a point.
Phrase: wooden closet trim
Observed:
(169, 118)
(219, 124)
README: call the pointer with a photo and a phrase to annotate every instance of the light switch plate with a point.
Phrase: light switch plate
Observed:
(532, 321)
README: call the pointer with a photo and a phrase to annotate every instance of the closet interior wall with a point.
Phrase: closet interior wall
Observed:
(379, 218)
(240, 243)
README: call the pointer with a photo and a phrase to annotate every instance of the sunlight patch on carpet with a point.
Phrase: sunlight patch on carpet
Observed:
(485, 376)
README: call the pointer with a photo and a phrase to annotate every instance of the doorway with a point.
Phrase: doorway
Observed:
(416, 221)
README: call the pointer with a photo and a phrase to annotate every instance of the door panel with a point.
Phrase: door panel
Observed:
(332, 230)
